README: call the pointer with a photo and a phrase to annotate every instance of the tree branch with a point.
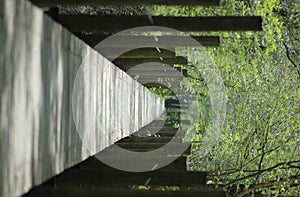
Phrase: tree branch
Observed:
(290, 59)
(267, 185)
(261, 172)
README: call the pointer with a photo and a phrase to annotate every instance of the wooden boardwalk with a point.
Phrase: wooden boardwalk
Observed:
(92, 177)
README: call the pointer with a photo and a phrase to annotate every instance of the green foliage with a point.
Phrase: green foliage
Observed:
(162, 92)
(259, 151)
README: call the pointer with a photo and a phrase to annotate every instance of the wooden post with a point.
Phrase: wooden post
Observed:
(90, 23)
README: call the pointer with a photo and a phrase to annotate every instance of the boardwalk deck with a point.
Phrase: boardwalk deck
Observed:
(59, 63)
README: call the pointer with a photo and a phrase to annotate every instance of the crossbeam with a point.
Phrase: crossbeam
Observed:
(141, 53)
(54, 3)
(148, 41)
(126, 64)
(90, 23)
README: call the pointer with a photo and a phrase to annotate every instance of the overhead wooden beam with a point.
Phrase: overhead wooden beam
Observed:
(113, 192)
(91, 23)
(155, 74)
(148, 41)
(149, 69)
(145, 78)
(126, 64)
(95, 164)
(150, 139)
(139, 53)
(54, 3)
(92, 178)
(154, 84)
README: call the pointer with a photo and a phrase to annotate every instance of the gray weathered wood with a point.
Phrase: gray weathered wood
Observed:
(54, 3)
(89, 23)
(38, 66)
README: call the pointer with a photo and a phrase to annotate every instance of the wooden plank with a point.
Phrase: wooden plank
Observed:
(154, 73)
(179, 164)
(90, 23)
(140, 53)
(167, 79)
(94, 178)
(167, 123)
(158, 67)
(144, 145)
(162, 79)
(120, 192)
(148, 41)
(164, 132)
(134, 139)
(153, 84)
(177, 106)
(172, 101)
(54, 3)
(166, 127)
(158, 72)
(174, 110)
(126, 64)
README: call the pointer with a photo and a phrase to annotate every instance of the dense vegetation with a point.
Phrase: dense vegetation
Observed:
(259, 148)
